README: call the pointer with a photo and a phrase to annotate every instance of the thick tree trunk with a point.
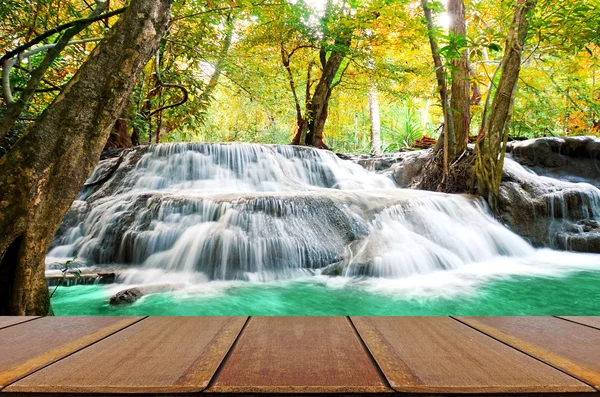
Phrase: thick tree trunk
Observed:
(375, 122)
(492, 148)
(41, 175)
(460, 101)
(315, 137)
(317, 109)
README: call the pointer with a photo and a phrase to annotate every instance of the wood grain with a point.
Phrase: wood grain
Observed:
(296, 355)
(6, 322)
(31, 345)
(573, 348)
(593, 322)
(156, 355)
(441, 355)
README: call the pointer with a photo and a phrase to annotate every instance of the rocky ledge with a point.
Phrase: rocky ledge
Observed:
(571, 159)
(549, 194)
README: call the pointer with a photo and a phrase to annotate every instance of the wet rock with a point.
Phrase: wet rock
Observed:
(404, 168)
(408, 170)
(126, 297)
(106, 278)
(542, 197)
(130, 295)
(377, 163)
(550, 212)
(571, 159)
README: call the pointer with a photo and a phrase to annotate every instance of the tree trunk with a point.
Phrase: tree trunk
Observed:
(214, 78)
(119, 136)
(460, 102)
(492, 148)
(317, 109)
(375, 122)
(42, 174)
(448, 140)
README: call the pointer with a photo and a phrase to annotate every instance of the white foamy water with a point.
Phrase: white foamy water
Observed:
(202, 218)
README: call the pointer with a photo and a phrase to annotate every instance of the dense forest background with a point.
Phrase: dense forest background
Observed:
(248, 71)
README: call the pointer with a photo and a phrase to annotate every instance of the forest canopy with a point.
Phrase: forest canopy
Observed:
(463, 77)
(249, 70)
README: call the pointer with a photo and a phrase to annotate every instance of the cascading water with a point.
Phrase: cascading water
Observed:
(200, 213)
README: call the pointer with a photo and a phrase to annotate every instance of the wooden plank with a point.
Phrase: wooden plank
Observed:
(9, 321)
(156, 355)
(441, 355)
(297, 355)
(593, 322)
(31, 345)
(573, 348)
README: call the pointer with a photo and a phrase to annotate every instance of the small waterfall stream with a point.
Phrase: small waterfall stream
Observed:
(265, 212)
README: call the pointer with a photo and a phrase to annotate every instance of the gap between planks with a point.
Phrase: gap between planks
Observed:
(532, 355)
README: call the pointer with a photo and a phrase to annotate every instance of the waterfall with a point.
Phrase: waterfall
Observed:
(552, 212)
(264, 212)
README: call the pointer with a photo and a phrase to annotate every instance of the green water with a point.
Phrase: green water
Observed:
(576, 294)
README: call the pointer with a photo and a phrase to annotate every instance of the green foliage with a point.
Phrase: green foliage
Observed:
(558, 90)
(68, 267)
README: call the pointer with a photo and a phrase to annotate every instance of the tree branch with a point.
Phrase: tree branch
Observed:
(167, 85)
(214, 78)
(10, 63)
(285, 59)
(335, 84)
(58, 29)
(15, 108)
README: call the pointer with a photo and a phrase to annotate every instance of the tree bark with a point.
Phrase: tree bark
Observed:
(447, 141)
(317, 109)
(119, 136)
(42, 174)
(460, 101)
(492, 147)
(15, 108)
(375, 122)
(214, 78)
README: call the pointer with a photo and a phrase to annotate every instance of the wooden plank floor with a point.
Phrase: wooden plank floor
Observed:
(442, 356)
(8, 321)
(299, 354)
(439, 354)
(569, 346)
(31, 345)
(593, 322)
(158, 354)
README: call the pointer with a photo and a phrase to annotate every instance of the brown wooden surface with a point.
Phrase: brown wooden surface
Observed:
(593, 322)
(441, 355)
(158, 354)
(13, 320)
(298, 354)
(572, 347)
(31, 345)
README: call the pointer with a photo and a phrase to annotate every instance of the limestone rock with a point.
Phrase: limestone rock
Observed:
(572, 159)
